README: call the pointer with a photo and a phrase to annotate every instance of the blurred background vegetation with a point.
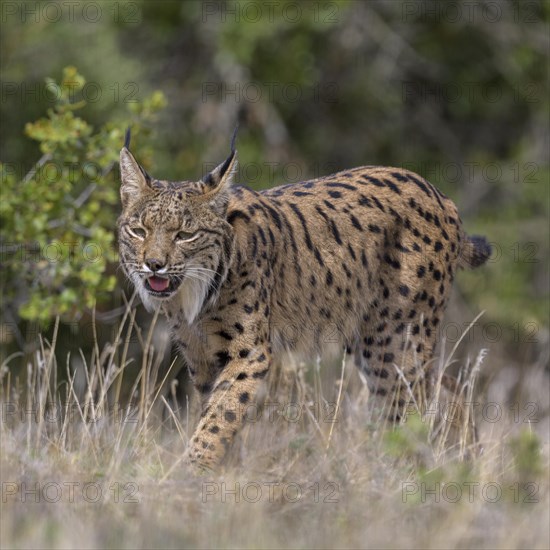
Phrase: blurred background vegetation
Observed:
(457, 92)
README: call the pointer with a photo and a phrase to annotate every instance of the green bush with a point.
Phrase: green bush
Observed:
(57, 232)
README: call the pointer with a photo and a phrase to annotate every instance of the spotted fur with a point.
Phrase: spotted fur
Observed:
(364, 258)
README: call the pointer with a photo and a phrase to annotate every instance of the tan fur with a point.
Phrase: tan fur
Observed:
(364, 258)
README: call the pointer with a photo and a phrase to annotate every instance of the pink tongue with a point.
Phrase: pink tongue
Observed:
(158, 283)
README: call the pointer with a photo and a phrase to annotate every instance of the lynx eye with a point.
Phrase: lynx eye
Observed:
(185, 235)
(138, 232)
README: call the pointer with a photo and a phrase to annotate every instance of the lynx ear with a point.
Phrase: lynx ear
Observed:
(222, 176)
(135, 180)
(218, 181)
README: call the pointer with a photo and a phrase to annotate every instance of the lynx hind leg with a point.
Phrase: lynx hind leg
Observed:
(395, 357)
(401, 376)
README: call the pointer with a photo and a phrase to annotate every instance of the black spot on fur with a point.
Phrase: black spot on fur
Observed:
(223, 359)
(260, 374)
(230, 416)
(355, 222)
(244, 397)
(237, 214)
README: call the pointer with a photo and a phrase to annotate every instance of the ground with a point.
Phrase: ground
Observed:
(295, 478)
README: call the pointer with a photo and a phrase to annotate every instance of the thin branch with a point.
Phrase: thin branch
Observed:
(45, 158)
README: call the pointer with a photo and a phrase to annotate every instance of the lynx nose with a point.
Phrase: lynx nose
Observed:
(154, 264)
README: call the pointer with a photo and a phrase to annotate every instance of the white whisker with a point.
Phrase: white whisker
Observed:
(197, 277)
(200, 268)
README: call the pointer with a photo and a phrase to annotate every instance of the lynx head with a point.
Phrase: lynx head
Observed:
(174, 241)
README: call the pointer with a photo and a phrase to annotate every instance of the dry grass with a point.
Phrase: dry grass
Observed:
(313, 468)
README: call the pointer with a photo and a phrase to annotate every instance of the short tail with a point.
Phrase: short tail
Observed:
(476, 250)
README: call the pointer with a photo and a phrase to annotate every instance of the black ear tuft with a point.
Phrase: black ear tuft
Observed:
(127, 138)
(223, 169)
(234, 138)
(229, 159)
(226, 168)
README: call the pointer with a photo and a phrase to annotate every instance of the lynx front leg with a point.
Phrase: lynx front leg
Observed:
(223, 415)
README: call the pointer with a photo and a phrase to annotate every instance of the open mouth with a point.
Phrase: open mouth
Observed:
(161, 286)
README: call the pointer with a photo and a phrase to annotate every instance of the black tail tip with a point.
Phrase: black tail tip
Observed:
(482, 250)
